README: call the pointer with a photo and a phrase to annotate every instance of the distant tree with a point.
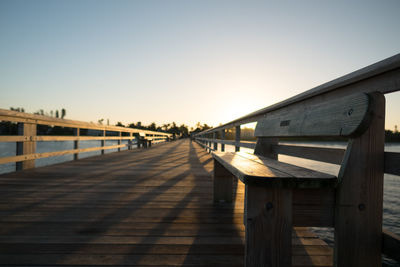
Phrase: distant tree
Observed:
(57, 114)
(205, 127)
(174, 129)
(63, 113)
(152, 126)
(184, 131)
(132, 125)
(166, 126)
(17, 109)
(395, 129)
(139, 125)
(199, 128)
(51, 113)
(100, 121)
(119, 124)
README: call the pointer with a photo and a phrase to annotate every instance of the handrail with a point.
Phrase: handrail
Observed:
(15, 116)
(383, 76)
(27, 138)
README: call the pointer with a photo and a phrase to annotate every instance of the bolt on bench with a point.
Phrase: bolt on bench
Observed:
(279, 196)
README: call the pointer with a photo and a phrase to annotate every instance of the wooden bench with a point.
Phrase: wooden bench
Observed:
(143, 140)
(279, 196)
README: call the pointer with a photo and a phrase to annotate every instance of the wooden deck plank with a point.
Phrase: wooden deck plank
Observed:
(148, 207)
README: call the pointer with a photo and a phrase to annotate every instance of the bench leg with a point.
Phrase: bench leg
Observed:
(268, 226)
(223, 184)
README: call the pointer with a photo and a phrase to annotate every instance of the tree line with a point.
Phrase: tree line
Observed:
(182, 130)
(56, 114)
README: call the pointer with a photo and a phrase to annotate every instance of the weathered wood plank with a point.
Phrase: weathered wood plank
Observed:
(76, 143)
(14, 116)
(26, 147)
(237, 138)
(346, 116)
(222, 139)
(359, 197)
(247, 144)
(323, 154)
(132, 260)
(268, 226)
(16, 138)
(223, 184)
(251, 168)
(129, 208)
(134, 249)
(264, 147)
(314, 207)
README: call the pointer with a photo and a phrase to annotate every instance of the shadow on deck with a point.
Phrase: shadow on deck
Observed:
(139, 207)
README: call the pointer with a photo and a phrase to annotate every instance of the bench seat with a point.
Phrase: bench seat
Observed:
(255, 169)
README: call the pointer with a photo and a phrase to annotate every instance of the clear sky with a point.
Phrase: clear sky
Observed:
(185, 61)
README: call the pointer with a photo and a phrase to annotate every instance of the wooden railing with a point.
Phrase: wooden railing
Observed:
(383, 77)
(27, 137)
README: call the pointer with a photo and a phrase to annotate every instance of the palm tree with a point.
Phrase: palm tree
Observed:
(166, 126)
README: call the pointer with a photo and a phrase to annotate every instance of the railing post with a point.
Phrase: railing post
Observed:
(130, 141)
(223, 138)
(103, 141)
(119, 141)
(237, 138)
(215, 142)
(26, 147)
(359, 195)
(76, 143)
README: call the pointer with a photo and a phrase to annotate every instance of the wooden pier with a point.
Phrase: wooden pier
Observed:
(173, 204)
(141, 207)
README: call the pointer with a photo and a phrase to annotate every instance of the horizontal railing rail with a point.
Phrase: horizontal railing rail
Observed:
(26, 138)
(383, 77)
(14, 116)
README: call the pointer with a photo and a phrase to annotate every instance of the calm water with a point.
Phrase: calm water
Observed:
(391, 204)
(9, 149)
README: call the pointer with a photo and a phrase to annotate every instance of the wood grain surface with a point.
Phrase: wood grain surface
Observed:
(149, 207)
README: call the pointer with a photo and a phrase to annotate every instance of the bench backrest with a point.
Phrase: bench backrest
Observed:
(347, 116)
